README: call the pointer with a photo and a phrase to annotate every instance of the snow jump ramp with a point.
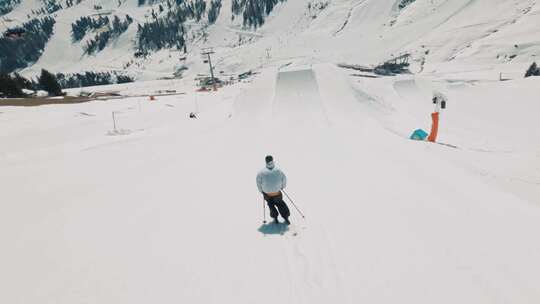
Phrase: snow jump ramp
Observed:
(297, 99)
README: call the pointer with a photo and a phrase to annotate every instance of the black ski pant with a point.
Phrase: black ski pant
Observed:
(276, 203)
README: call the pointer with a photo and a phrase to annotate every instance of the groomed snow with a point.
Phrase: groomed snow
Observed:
(170, 211)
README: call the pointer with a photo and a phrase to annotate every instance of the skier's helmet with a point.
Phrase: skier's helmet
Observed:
(269, 159)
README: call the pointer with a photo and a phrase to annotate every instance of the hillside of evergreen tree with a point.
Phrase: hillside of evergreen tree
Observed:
(13, 85)
(168, 31)
(88, 79)
(404, 3)
(70, 3)
(81, 26)
(21, 52)
(213, 11)
(7, 6)
(253, 12)
(147, 2)
(51, 6)
(115, 29)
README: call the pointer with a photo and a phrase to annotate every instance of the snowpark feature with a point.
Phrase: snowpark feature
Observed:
(297, 97)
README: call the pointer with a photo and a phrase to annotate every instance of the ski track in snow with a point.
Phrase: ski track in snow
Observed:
(512, 20)
(310, 263)
(306, 261)
(349, 15)
(455, 13)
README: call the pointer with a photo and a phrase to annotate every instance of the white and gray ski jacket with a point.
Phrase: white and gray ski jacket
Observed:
(271, 180)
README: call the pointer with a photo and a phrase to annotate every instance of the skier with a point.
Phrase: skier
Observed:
(270, 182)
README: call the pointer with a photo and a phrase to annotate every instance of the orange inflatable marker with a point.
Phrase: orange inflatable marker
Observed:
(434, 127)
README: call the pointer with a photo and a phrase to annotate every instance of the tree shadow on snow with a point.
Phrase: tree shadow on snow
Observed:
(272, 228)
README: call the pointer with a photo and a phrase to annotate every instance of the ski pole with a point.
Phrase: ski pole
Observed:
(264, 213)
(294, 204)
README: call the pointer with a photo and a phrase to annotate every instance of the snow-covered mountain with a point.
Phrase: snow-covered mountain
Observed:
(442, 35)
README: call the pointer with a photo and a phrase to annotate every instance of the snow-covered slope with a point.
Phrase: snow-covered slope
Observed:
(169, 211)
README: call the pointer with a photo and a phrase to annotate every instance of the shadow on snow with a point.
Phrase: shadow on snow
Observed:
(272, 228)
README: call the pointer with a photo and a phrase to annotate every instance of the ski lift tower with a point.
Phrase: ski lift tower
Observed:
(206, 52)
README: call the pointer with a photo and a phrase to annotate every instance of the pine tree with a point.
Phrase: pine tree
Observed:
(9, 87)
(19, 53)
(213, 12)
(533, 70)
(21, 82)
(7, 6)
(49, 83)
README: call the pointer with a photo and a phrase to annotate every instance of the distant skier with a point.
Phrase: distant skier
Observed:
(270, 182)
